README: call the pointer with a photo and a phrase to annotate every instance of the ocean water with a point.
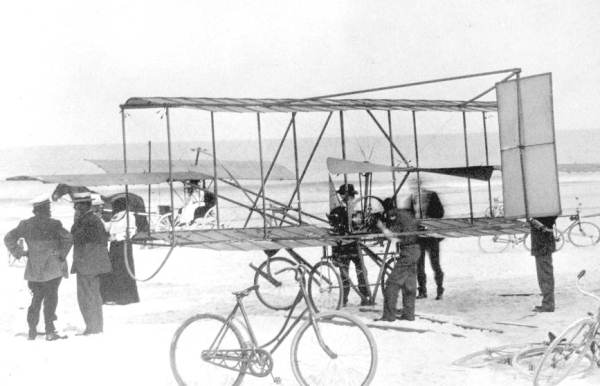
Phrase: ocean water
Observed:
(440, 150)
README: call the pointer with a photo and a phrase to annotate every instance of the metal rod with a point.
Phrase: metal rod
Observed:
(238, 203)
(521, 146)
(464, 118)
(170, 175)
(414, 120)
(126, 186)
(262, 176)
(296, 166)
(215, 173)
(246, 190)
(343, 138)
(149, 187)
(389, 116)
(387, 137)
(310, 157)
(513, 70)
(487, 162)
(287, 130)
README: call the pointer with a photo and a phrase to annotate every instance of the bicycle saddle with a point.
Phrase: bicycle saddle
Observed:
(245, 292)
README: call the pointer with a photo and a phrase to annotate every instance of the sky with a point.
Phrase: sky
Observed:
(68, 65)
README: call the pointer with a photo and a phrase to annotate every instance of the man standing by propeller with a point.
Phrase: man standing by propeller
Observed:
(347, 250)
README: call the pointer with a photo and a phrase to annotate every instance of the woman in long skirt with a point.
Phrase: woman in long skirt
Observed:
(118, 287)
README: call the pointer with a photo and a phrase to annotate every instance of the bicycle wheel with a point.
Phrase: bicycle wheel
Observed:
(277, 291)
(163, 224)
(495, 243)
(526, 360)
(492, 355)
(325, 287)
(565, 355)
(353, 353)
(584, 234)
(193, 340)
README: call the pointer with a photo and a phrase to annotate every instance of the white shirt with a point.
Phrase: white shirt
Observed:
(117, 226)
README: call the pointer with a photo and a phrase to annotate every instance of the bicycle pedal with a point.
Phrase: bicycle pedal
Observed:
(276, 380)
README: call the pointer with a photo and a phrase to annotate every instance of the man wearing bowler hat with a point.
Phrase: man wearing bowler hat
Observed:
(48, 244)
(348, 251)
(90, 260)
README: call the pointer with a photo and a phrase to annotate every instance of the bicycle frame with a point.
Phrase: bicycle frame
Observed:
(253, 347)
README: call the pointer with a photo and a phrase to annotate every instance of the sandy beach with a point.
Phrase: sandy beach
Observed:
(134, 348)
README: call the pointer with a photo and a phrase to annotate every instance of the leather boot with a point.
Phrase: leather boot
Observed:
(440, 293)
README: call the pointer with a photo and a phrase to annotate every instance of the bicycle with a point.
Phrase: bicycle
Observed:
(581, 233)
(325, 350)
(506, 354)
(499, 243)
(580, 342)
(277, 290)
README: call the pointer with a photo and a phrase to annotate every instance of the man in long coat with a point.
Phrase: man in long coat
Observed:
(48, 245)
(90, 260)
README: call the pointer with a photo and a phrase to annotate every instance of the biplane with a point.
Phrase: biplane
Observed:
(528, 165)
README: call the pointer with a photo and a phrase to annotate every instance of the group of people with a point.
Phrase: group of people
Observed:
(99, 273)
(410, 266)
(408, 275)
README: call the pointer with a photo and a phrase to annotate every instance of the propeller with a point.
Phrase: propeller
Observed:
(341, 166)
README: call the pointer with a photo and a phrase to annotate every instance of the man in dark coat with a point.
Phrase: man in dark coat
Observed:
(428, 205)
(90, 260)
(543, 244)
(48, 245)
(348, 251)
(404, 274)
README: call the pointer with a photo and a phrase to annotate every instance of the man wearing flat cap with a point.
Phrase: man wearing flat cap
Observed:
(347, 251)
(90, 260)
(48, 245)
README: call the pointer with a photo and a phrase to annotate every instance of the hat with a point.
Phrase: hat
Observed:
(82, 197)
(96, 199)
(350, 190)
(40, 201)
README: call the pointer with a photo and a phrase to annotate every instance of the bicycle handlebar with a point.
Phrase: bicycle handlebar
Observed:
(579, 276)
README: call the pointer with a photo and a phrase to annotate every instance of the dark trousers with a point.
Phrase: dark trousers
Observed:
(90, 302)
(361, 275)
(46, 292)
(432, 246)
(403, 277)
(545, 276)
